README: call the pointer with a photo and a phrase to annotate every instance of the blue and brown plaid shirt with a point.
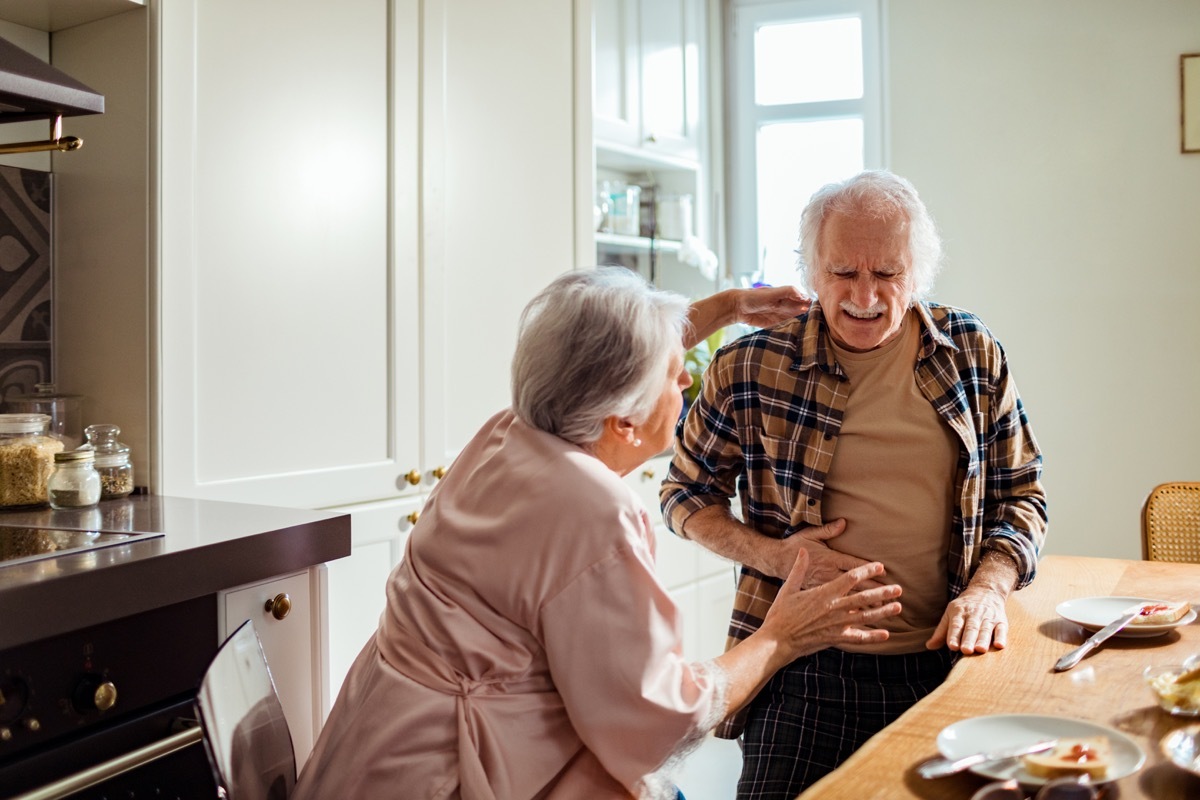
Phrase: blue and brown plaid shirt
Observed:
(767, 421)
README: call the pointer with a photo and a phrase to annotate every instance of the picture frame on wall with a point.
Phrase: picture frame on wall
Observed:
(1189, 109)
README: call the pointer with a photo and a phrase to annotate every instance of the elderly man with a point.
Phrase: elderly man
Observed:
(875, 427)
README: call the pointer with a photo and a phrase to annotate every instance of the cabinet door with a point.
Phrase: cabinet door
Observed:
(498, 197)
(288, 345)
(616, 72)
(288, 642)
(357, 583)
(714, 600)
(670, 67)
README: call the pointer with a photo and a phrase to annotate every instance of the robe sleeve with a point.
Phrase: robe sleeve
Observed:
(614, 646)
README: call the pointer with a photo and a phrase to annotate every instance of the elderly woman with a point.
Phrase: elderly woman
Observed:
(527, 649)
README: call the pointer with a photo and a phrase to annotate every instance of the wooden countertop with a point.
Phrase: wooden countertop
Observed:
(1105, 688)
(205, 547)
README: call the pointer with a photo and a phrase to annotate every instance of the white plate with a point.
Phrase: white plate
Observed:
(980, 734)
(1094, 613)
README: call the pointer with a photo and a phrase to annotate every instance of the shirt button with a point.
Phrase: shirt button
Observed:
(812, 502)
(828, 436)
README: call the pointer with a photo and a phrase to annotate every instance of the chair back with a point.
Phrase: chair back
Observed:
(247, 738)
(1171, 523)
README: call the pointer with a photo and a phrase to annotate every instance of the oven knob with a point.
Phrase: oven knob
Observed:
(14, 696)
(94, 693)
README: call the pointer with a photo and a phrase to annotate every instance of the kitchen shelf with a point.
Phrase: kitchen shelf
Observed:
(639, 244)
(638, 159)
(57, 15)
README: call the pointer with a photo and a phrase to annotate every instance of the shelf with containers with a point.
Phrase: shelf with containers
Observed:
(650, 217)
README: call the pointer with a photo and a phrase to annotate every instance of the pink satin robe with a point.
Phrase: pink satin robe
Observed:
(527, 649)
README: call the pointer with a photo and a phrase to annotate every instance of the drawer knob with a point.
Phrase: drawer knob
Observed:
(438, 472)
(280, 605)
(413, 517)
(648, 474)
(413, 476)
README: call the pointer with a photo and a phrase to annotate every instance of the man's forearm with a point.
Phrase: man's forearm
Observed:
(996, 573)
(718, 530)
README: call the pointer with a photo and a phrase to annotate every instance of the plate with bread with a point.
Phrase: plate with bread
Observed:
(1156, 618)
(1082, 748)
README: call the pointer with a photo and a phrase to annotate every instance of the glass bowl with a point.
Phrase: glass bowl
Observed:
(1178, 699)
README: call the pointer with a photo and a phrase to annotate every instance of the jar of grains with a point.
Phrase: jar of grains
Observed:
(26, 459)
(112, 461)
(75, 482)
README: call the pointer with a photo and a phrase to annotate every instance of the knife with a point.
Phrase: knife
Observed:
(1095, 640)
(940, 767)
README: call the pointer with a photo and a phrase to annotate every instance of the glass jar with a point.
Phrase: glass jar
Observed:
(75, 482)
(112, 461)
(26, 459)
(65, 411)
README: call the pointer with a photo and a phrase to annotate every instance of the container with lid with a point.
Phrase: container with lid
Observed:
(112, 461)
(65, 412)
(26, 459)
(75, 482)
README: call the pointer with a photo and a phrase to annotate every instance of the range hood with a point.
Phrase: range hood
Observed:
(31, 89)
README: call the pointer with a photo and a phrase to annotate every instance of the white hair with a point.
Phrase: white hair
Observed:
(878, 193)
(593, 344)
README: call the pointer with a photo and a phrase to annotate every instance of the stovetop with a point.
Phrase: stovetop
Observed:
(20, 544)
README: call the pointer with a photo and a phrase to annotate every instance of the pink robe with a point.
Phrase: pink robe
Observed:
(527, 649)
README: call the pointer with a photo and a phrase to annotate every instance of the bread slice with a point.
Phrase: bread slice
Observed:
(1089, 756)
(1161, 613)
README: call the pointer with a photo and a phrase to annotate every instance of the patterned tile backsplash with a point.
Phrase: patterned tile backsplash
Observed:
(25, 280)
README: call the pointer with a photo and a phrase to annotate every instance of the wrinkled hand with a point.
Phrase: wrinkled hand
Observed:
(767, 306)
(834, 613)
(974, 622)
(825, 562)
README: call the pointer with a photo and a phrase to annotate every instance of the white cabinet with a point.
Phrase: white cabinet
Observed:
(323, 297)
(358, 582)
(648, 75)
(649, 105)
(287, 617)
(702, 584)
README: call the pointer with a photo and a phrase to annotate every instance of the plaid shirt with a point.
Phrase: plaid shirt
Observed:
(767, 421)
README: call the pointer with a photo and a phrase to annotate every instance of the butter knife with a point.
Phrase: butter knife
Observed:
(941, 767)
(1095, 640)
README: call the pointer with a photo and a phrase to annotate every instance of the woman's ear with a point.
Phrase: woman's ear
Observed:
(622, 430)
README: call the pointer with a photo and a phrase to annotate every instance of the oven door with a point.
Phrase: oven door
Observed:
(157, 754)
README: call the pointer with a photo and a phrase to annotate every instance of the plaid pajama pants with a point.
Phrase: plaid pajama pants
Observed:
(819, 709)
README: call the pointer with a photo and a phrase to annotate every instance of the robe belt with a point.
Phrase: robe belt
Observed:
(411, 657)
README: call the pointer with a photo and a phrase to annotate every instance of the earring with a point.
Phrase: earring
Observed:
(637, 442)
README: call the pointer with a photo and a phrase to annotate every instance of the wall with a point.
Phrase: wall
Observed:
(1044, 137)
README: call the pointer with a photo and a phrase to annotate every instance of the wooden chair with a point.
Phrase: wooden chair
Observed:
(1171, 523)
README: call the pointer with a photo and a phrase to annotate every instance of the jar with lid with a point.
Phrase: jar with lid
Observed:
(112, 461)
(64, 410)
(26, 459)
(75, 482)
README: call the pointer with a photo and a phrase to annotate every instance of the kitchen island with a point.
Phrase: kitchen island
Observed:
(111, 615)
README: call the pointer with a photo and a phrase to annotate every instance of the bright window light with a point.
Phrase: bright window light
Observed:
(808, 62)
(794, 160)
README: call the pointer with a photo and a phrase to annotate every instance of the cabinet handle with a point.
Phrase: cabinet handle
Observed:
(413, 476)
(652, 138)
(280, 605)
(413, 517)
(648, 474)
(438, 473)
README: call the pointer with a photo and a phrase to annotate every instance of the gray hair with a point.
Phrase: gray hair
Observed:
(878, 193)
(594, 344)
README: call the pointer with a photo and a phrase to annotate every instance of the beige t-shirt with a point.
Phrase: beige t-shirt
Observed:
(892, 480)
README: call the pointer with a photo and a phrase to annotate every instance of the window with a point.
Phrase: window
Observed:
(805, 105)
